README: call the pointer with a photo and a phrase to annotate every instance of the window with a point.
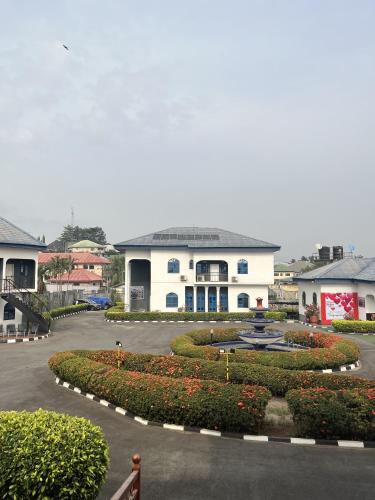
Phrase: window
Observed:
(303, 299)
(242, 266)
(76, 284)
(315, 299)
(9, 312)
(191, 264)
(287, 274)
(277, 274)
(85, 266)
(91, 267)
(173, 266)
(172, 300)
(243, 300)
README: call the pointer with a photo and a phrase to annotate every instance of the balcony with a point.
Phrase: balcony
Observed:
(212, 277)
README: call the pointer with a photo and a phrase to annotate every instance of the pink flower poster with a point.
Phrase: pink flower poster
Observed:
(339, 305)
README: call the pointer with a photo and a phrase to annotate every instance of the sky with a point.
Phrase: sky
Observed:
(252, 116)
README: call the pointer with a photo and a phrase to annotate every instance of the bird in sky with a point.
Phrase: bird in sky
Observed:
(65, 47)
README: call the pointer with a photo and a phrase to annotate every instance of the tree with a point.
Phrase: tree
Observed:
(75, 233)
(115, 271)
(57, 267)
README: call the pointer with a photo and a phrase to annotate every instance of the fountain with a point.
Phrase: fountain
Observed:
(259, 338)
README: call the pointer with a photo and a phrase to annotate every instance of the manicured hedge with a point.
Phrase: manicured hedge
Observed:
(50, 455)
(322, 413)
(196, 345)
(61, 311)
(192, 402)
(346, 326)
(277, 380)
(186, 316)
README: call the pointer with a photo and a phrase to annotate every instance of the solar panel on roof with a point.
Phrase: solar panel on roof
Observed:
(185, 237)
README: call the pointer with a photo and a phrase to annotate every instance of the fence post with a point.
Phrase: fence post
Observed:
(136, 459)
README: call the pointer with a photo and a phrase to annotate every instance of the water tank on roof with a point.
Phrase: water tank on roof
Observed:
(338, 252)
(324, 253)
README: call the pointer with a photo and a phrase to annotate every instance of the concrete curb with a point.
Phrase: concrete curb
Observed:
(170, 321)
(24, 339)
(67, 315)
(210, 432)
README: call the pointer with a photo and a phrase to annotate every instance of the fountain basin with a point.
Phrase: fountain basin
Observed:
(260, 338)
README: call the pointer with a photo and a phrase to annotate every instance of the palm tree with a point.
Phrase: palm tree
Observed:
(57, 267)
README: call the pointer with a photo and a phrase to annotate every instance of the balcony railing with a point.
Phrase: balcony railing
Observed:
(212, 277)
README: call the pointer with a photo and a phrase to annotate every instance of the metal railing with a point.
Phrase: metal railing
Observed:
(212, 277)
(9, 286)
(131, 487)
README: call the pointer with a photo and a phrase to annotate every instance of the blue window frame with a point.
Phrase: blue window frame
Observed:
(191, 264)
(173, 266)
(172, 300)
(9, 312)
(243, 300)
(242, 267)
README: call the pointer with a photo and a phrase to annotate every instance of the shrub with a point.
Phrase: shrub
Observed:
(344, 414)
(196, 345)
(353, 326)
(50, 455)
(60, 311)
(186, 316)
(277, 380)
(192, 402)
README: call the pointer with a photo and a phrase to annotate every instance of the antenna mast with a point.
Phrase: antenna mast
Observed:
(72, 216)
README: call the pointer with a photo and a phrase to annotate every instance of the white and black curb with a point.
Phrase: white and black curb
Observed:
(69, 314)
(24, 339)
(353, 366)
(171, 321)
(209, 432)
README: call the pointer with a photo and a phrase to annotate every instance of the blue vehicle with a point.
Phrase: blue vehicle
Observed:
(104, 302)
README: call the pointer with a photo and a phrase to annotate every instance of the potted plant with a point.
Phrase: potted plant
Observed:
(312, 313)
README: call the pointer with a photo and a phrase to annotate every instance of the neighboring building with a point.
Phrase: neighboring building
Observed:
(345, 287)
(83, 260)
(196, 269)
(78, 279)
(284, 288)
(18, 273)
(87, 246)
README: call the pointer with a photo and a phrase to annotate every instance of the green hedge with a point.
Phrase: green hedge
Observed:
(186, 316)
(186, 401)
(322, 413)
(60, 311)
(346, 326)
(196, 345)
(277, 380)
(50, 455)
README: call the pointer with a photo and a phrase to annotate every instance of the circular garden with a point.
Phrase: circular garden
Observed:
(190, 387)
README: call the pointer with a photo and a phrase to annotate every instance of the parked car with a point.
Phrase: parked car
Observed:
(92, 306)
(104, 302)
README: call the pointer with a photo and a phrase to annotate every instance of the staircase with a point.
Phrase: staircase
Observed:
(25, 301)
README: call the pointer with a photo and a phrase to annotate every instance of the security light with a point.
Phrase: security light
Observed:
(118, 343)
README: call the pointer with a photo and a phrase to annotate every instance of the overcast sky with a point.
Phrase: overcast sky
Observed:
(253, 116)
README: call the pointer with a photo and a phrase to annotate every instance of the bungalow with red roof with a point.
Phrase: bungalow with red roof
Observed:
(84, 260)
(77, 279)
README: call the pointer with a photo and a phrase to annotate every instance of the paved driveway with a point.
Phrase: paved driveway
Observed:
(179, 466)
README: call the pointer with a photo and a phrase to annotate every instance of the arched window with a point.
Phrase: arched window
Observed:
(303, 299)
(242, 266)
(243, 300)
(171, 300)
(191, 264)
(315, 299)
(9, 312)
(173, 266)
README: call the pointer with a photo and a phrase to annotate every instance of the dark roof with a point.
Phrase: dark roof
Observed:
(13, 236)
(350, 269)
(196, 237)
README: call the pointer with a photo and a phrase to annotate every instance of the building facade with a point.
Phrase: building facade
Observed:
(18, 269)
(196, 269)
(81, 260)
(88, 246)
(344, 289)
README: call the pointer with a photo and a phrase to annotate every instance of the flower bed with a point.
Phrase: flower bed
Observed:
(117, 315)
(192, 402)
(196, 345)
(277, 380)
(327, 414)
(348, 326)
(50, 455)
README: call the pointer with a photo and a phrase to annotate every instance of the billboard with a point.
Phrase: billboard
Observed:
(338, 305)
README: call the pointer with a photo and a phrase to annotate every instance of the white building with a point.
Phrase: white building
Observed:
(18, 274)
(196, 269)
(345, 288)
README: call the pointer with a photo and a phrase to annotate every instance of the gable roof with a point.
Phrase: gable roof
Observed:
(350, 269)
(78, 257)
(13, 236)
(86, 244)
(78, 276)
(281, 268)
(196, 237)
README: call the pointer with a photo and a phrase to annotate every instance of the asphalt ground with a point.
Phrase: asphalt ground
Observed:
(182, 465)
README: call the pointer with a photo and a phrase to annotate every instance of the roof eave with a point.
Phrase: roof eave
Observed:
(120, 246)
(42, 246)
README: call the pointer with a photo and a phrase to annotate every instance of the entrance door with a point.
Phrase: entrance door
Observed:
(200, 299)
(189, 305)
(224, 299)
(212, 300)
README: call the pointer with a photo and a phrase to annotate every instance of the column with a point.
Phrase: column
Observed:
(206, 298)
(218, 299)
(195, 299)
